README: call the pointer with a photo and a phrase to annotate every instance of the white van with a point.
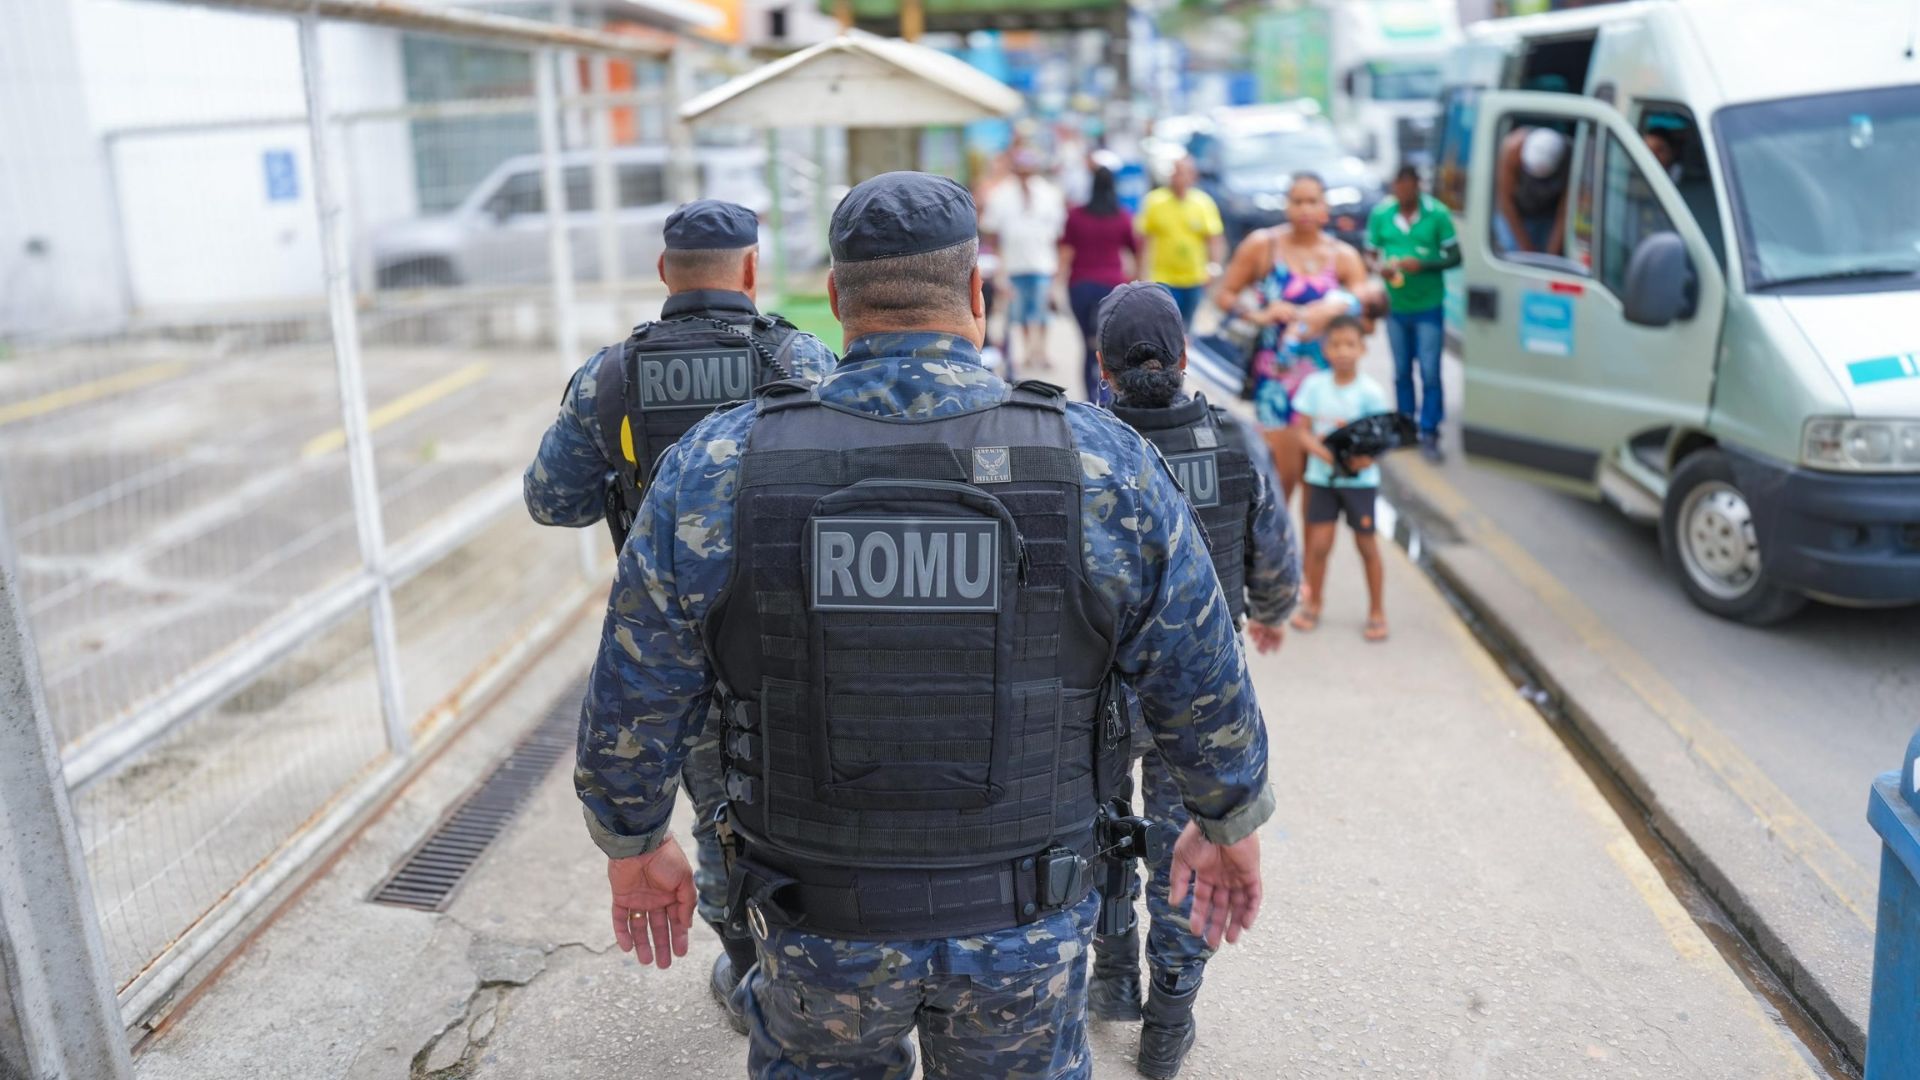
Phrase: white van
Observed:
(1698, 294)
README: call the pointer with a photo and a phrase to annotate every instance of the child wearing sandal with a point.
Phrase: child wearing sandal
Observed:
(1327, 400)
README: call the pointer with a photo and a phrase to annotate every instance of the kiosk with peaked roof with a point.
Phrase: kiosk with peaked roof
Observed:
(883, 90)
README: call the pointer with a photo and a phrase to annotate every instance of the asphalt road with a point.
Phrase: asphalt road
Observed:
(1822, 703)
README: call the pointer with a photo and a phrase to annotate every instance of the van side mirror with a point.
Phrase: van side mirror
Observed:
(1661, 284)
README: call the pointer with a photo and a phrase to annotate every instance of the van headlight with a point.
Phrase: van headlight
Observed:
(1862, 445)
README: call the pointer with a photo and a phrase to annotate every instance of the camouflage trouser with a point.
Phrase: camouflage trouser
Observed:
(1010, 1004)
(702, 778)
(1172, 949)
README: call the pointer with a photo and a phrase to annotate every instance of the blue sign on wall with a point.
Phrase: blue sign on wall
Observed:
(283, 175)
(1546, 323)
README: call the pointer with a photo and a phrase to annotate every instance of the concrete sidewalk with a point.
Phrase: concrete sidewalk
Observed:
(1448, 896)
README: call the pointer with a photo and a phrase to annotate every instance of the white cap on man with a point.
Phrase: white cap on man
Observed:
(1542, 151)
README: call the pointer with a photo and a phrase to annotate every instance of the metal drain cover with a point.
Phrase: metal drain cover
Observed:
(427, 877)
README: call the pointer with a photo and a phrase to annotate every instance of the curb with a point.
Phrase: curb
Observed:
(1808, 927)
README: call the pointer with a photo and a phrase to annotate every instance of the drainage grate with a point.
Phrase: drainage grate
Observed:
(427, 877)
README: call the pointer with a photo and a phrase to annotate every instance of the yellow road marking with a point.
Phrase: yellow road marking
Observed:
(1783, 818)
(411, 401)
(1687, 938)
(90, 391)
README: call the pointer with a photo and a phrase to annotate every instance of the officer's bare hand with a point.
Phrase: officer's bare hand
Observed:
(652, 895)
(1267, 639)
(1224, 880)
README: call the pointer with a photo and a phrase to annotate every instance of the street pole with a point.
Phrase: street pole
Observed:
(58, 1016)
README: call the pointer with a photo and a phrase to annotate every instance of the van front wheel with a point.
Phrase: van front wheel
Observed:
(1711, 542)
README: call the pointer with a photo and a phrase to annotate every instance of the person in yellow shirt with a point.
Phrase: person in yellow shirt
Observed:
(1185, 241)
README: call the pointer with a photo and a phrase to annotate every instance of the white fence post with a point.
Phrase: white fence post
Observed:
(566, 330)
(329, 193)
(58, 1017)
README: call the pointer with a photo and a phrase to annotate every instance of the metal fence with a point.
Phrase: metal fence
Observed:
(286, 298)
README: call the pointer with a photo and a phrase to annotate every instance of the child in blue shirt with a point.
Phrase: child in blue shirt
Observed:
(1327, 400)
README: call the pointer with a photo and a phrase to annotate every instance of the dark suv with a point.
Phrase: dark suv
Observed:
(1248, 156)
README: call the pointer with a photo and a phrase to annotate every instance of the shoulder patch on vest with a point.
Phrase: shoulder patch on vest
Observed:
(992, 465)
(1205, 438)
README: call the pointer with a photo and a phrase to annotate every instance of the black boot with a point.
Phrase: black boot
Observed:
(1168, 1032)
(1114, 993)
(729, 968)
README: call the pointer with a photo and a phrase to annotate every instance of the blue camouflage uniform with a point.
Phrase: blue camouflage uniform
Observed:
(828, 1007)
(566, 485)
(1273, 587)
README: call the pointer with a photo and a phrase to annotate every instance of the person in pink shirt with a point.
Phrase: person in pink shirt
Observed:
(1100, 251)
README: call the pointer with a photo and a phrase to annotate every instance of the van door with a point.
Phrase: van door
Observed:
(1556, 375)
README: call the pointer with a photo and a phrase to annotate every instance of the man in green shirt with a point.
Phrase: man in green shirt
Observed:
(1412, 241)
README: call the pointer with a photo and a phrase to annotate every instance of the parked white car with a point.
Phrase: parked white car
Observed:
(498, 233)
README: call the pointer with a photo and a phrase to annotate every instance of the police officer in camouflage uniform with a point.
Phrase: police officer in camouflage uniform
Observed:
(1224, 466)
(913, 590)
(630, 401)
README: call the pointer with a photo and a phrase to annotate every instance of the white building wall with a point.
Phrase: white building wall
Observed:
(60, 267)
(219, 218)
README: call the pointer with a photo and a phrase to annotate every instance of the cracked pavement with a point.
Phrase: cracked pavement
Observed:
(1447, 897)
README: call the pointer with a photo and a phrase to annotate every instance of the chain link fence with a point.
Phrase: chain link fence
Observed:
(288, 297)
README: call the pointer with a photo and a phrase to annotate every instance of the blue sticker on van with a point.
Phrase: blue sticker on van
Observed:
(1884, 368)
(1546, 323)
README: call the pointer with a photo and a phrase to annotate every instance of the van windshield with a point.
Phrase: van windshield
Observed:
(1823, 189)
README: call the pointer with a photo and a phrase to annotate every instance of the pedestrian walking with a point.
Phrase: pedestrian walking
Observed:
(1300, 278)
(1412, 240)
(1326, 401)
(629, 402)
(1100, 251)
(1223, 465)
(1023, 219)
(1185, 240)
(914, 590)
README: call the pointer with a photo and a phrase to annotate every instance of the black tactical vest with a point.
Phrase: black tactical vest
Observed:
(913, 669)
(668, 376)
(1214, 470)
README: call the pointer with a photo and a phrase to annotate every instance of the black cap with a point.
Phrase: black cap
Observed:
(711, 225)
(1140, 312)
(901, 213)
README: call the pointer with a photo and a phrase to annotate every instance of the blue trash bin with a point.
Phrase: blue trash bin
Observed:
(1893, 1026)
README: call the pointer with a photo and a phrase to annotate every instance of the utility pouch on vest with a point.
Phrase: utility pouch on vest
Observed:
(877, 554)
